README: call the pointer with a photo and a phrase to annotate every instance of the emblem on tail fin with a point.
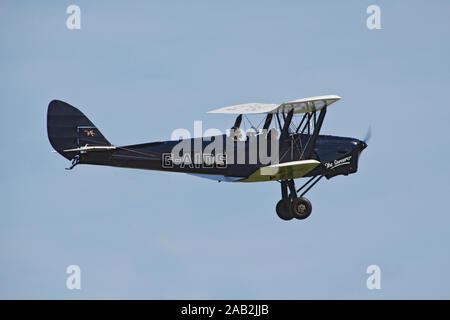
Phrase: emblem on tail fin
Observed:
(89, 133)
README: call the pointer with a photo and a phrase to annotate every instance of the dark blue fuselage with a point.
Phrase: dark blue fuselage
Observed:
(337, 155)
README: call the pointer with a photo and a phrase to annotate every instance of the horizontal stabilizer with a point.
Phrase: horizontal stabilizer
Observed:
(90, 148)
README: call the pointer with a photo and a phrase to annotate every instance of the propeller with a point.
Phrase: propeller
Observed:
(363, 143)
(368, 135)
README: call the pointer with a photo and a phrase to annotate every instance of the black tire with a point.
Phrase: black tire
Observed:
(301, 208)
(283, 210)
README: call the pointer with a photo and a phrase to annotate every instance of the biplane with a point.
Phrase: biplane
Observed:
(290, 134)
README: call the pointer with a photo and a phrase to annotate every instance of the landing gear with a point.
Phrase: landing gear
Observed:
(284, 210)
(301, 208)
(292, 206)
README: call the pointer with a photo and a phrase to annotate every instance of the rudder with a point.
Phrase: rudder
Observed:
(69, 128)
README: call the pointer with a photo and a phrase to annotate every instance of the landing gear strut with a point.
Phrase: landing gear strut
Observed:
(291, 205)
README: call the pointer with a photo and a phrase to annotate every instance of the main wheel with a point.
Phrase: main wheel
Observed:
(283, 210)
(301, 208)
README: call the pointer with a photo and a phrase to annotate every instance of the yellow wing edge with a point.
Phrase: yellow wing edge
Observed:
(282, 171)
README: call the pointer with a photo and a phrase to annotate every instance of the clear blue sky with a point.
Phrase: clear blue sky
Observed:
(140, 69)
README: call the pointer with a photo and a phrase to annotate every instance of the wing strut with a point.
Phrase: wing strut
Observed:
(308, 182)
(287, 123)
(238, 121)
(268, 121)
(312, 138)
(278, 120)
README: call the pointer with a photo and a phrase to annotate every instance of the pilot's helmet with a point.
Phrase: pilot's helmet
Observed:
(235, 134)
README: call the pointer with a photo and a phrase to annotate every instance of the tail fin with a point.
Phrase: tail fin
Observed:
(69, 128)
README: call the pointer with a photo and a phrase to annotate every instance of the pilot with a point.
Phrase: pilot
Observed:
(235, 134)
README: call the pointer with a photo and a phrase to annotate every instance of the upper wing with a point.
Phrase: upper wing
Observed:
(282, 171)
(247, 108)
(308, 104)
(300, 106)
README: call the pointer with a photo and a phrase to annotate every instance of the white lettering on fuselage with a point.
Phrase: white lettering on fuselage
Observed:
(196, 161)
(338, 163)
